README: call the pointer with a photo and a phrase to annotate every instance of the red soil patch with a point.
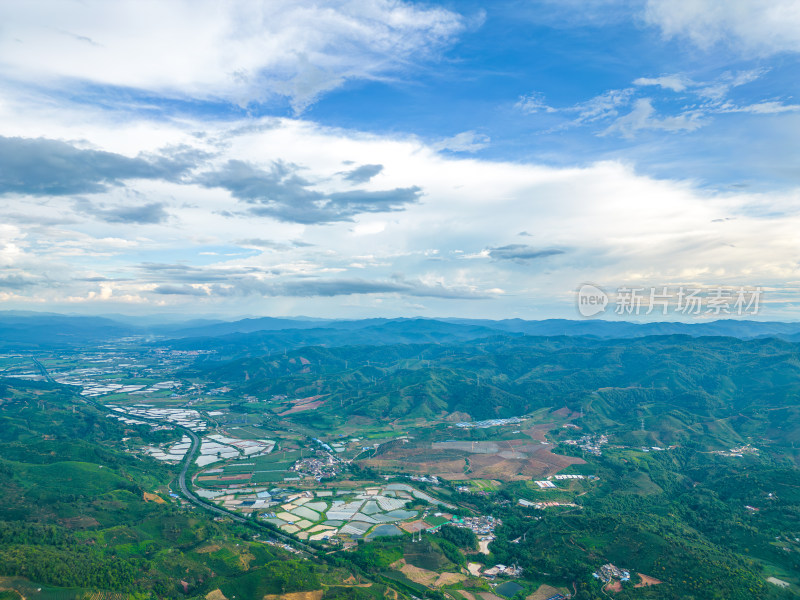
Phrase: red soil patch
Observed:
(414, 526)
(301, 401)
(515, 460)
(613, 586)
(79, 522)
(302, 404)
(301, 408)
(537, 431)
(239, 477)
(646, 580)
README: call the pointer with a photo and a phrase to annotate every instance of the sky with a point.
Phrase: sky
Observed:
(366, 158)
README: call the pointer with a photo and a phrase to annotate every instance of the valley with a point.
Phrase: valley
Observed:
(553, 456)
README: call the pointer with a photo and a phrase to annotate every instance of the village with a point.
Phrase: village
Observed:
(257, 477)
(591, 444)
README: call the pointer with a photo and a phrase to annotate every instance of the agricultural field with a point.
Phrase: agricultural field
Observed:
(521, 458)
(256, 470)
(323, 514)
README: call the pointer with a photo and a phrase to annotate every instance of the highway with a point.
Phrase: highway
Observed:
(42, 370)
(187, 492)
(185, 487)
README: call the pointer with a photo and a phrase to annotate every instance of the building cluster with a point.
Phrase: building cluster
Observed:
(590, 444)
(319, 466)
(609, 572)
(424, 478)
(282, 545)
(738, 452)
(544, 505)
(480, 526)
(219, 391)
(483, 527)
(502, 571)
(488, 423)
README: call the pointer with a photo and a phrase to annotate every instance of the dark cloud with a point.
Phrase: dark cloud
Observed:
(180, 279)
(169, 273)
(521, 252)
(45, 167)
(313, 287)
(363, 173)
(144, 214)
(344, 287)
(179, 290)
(17, 282)
(282, 194)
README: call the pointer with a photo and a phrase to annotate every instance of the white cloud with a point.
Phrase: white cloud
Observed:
(626, 112)
(603, 106)
(720, 87)
(533, 103)
(676, 83)
(752, 27)
(235, 51)
(611, 223)
(643, 117)
(466, 141)
(761, 108)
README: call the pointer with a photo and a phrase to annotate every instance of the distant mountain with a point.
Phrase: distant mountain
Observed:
(742, 329)
(55, 331)
(375, 332)
(240, 326)
(268, 336)
(721, 389)
(549, 327)
(22, 329)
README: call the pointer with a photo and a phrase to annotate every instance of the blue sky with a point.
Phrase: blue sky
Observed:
(376, 157)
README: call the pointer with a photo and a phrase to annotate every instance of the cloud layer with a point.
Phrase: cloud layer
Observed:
(382, 157)
(251, 51)
(291, 232)
(750, 27)
(44, 167)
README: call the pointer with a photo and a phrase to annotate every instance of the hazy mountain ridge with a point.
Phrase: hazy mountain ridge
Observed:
(28, 329)
(674, 383)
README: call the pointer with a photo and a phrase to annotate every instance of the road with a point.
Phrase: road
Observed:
(187, 463)
(192, 497)
(42, 370)
(187, 492)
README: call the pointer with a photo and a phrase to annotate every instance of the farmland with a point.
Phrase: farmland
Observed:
(550, 494)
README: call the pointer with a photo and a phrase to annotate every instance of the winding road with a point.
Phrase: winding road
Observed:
(185, 487)
(187, 492)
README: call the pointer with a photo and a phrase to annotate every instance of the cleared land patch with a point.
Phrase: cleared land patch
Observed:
(504, 460)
